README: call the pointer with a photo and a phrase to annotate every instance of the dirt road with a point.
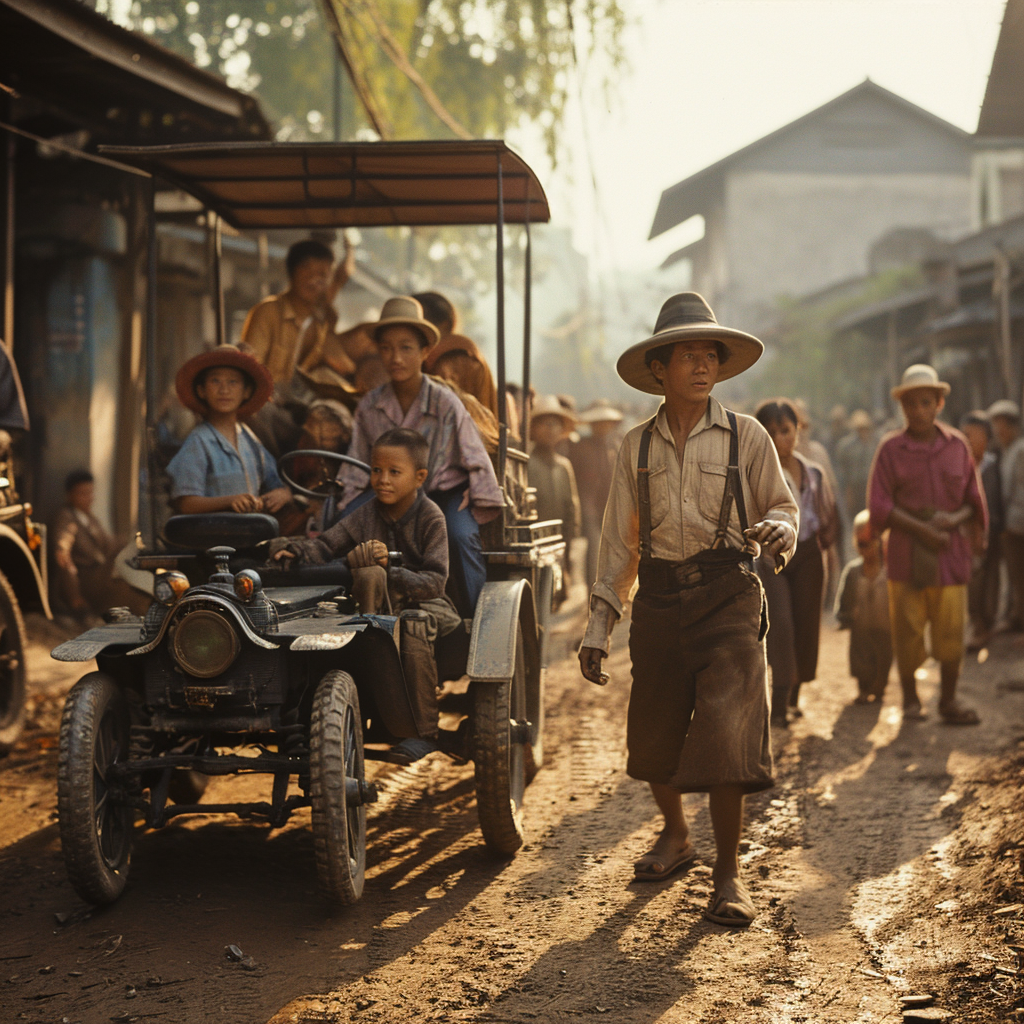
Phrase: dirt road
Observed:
(886, 862)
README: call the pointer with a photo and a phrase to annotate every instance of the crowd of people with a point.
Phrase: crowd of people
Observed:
(738, 529)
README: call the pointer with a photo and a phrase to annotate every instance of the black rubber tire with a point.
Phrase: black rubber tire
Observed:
(499, 765)
(12, 668)
(96, 829)
(336, 755)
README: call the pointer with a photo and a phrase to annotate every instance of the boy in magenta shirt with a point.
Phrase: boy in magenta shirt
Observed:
(924, 489)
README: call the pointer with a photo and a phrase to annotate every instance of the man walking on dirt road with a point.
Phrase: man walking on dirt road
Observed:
(686, 488)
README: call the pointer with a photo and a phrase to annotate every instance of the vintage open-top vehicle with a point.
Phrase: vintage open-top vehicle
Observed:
(242, 667)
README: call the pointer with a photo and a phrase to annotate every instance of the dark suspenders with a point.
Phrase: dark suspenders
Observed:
(733, 489)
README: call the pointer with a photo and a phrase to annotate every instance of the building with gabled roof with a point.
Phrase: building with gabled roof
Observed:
(803, 207)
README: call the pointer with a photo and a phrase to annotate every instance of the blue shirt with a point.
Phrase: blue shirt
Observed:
(208, 466)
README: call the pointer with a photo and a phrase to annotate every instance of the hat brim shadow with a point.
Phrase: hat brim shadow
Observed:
(744, 350)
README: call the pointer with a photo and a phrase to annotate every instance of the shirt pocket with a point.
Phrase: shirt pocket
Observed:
(711, 489)
(661, 500)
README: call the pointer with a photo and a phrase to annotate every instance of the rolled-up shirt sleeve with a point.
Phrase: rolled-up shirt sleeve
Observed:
(772, 498)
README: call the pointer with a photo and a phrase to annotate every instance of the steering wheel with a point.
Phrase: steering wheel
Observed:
(338, 457)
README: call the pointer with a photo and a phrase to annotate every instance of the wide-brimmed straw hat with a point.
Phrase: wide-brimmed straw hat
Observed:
(549, 405)
(920, 375)
(601, 412)
(405, 311)
(224, 355)
(687, 317)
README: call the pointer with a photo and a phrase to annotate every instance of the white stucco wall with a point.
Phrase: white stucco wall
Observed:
(795, 233)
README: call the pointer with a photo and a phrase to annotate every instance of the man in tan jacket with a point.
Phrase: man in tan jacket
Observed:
(696, 492)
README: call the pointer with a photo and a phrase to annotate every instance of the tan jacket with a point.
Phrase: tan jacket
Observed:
(685, 503)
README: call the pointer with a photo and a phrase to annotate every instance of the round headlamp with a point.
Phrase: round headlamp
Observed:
(205, 644)
(169, 586)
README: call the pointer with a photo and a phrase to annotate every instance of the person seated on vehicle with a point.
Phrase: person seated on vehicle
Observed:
(84, 554)
(467, 366)
(294, 333)
(222, 467)
(460, 477)
(400, 518)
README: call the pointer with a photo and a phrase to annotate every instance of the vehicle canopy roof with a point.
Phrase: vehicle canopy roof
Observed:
(349, 184)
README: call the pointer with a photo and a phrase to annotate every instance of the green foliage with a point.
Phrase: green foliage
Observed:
(808, 361)
(492, 63)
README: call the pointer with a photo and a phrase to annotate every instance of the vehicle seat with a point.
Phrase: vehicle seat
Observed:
(239, 530)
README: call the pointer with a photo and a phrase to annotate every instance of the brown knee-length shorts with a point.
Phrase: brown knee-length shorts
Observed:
(698, 709)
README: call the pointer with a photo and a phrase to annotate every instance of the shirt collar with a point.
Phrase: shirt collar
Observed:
(714, 416)
(946, 434)
(223, 441)
(387, 402)
(287, 309)
(410, 514)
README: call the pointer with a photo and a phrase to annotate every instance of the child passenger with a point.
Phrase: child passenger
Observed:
(402, 519)
(924, 488)
(862, 607)
(222, 467)
(459, 476)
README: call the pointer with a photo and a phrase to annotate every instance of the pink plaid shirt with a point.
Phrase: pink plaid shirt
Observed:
(920, 477)
(457, 453)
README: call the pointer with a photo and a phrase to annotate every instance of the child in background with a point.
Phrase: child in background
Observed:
(222, 467)
(552, 475)
(862, 607)
(400, 518)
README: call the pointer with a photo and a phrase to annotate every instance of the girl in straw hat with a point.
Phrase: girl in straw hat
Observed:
(694, 493)
(222, 467)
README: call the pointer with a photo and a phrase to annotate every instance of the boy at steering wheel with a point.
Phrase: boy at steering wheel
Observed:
(400, 519)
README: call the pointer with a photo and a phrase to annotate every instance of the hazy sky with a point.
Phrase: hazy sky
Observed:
(707, 77)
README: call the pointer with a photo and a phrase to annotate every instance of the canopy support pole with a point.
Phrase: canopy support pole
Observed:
(8, 324)
(218, 275)
(524, 417)
(500, 285)
(152, 250)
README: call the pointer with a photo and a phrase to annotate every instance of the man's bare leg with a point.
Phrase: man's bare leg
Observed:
(675, 836)
(726, 806)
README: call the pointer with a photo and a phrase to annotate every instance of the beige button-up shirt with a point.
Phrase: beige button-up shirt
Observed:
(274, 334)
(686, 499)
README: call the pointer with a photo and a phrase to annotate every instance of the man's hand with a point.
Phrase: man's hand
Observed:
(773, 536)
(590, 664)
(933, 536)
(284, 555)
(465, 501)
(370, 552)
(276, 499)
(246, 503)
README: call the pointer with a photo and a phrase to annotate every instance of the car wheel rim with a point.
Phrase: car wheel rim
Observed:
(111, 832)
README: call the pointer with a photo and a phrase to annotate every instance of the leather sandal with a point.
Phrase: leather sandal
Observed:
(651, 867)
(958, 714)
(731, 905)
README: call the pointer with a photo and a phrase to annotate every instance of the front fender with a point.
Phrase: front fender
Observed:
(95, 641)
(20, 567)
(503, 605)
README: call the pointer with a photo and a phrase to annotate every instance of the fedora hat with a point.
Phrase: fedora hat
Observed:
(405, 311)
(224, 355)
(920, 375)
(549, 405)
(687, 317)
(1004, 407)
